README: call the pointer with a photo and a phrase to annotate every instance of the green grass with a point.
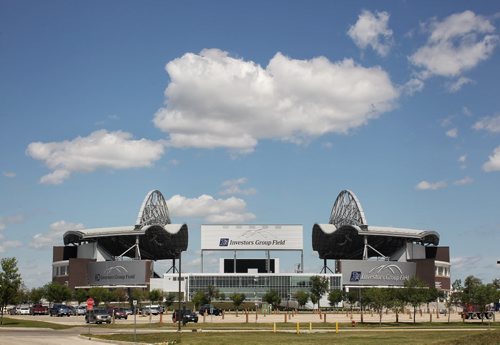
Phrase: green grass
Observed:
(347, 338)
(8, 322)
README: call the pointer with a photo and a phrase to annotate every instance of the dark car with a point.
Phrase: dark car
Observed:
(98, 316)
(209, 309)
(120, 313)
(59, 310)
(187, 316)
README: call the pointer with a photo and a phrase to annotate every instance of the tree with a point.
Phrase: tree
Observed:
(10, 282)
(273, 298)
(378, 300)
(335, 297)
(212, 293)
(237, 299)
(198, 299)
(99, 295)
(155, 295)
(57, 293)
(319, 286)
(415, 293)
(483, 296)
(80, 295)
(169, 299)
(120, 295)
(302, 297)
(398, 302)
(36, 294)
(137, 295)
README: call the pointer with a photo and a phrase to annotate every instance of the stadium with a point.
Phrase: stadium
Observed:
(362, 255)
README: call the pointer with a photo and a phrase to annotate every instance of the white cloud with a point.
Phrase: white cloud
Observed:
(465, 262)
(6, 220)
(462, 158)
(412, 86)
(55, 234)
(490, 124)
(425, 185)
(466, 111)
(9, 174)
(233, 187)
(493, 164)
(230, 210)
(462, 182)
(101, 149)
(457, 84)
(455, 45)
(215, 100)
(372, 30)
(6, 245)
(452, 133)
(327, 145)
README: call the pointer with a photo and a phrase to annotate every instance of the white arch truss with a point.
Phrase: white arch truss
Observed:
(154, 210)
(347, 210)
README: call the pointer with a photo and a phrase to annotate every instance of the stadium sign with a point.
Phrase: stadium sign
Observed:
(376, 273)
(251, 237)
(134, 272)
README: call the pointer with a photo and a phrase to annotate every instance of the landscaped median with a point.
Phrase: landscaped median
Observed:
(288, 336)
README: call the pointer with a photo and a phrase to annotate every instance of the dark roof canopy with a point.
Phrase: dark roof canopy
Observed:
(157, 238)
(344, 237)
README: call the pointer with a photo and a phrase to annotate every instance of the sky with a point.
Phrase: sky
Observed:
(251, 112)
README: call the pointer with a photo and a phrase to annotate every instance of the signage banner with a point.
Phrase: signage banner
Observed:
(252, 237)
(376, 273)
(134, 272)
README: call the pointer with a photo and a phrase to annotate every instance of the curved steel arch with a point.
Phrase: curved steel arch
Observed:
(347, 210)
(154, 210)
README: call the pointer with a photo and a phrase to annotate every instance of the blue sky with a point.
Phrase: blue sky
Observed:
(249, 112)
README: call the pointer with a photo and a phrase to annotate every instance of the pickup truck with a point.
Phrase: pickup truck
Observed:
(38, 309)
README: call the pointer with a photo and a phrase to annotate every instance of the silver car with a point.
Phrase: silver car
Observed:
(98, 316)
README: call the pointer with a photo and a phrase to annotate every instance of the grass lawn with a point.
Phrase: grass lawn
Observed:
(8, 322)
(366, 337)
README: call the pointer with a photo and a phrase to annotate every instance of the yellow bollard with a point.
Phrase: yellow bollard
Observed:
(337, 327)
(274, 327)
(310, 326)
(298, 328)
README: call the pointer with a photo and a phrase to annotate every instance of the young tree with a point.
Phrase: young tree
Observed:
(212, 293)
(80, 295)
(273, 298)
(155, 295)
(319, 286)
(398, 303)
(99, 295)
(483, 296)
(57, 293)
(120, 295)
(237, 299)
(335, 297)
(169, 299)
(10, 282)
(198, 299)
(36, 294)
(415, 293)
(302, 297)
(378, 300)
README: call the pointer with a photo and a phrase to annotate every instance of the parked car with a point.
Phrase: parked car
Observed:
(59, 310)
(120, 313)
(153, 310)
(187, 315)
(81, 310)
(12, 311)
(72, 309)
(38, 309)
(209, 309)
(24, 310)
(128, 311)
(98, 316)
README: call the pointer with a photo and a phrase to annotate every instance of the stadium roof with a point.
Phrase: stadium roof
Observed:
(156, 237)
(345, 235)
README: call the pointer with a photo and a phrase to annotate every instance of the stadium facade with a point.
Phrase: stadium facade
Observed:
(361, 255)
